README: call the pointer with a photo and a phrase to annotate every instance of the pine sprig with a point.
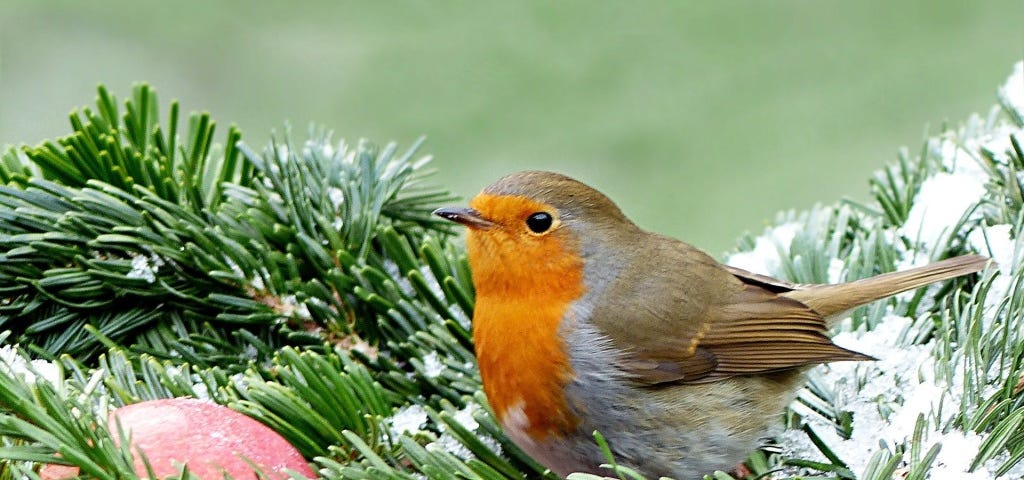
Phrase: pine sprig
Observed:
(161, 244)
(132, 150)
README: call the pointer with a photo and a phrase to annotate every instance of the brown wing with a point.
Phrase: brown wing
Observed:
(711, 324)
(759, 332)
(764, 281)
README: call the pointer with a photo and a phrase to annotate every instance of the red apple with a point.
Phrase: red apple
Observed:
(211, 439)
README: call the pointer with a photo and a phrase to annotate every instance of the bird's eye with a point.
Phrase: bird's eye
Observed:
(539, 222)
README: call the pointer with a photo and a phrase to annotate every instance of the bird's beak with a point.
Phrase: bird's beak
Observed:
(466, 216)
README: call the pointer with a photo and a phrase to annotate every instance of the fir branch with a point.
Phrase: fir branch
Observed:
(164, 246)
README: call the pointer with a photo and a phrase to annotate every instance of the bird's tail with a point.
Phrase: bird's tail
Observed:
(829, 300)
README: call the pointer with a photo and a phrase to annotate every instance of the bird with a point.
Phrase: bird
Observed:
(585, 322)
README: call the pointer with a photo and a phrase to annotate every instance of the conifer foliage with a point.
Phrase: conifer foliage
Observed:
(155, 242)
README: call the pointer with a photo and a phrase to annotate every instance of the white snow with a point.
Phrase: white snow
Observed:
(409, 419)
(999, 144)
(12, 362)
(836, 267)
(291, 307)
(1013, 90)
(432, 282)
(939, 206)
(764, 258)
(465, 416)
(897, 389)
(249, 352)
(145, 267)
(324, 147)
(447, 442)
(257, 282)
(954, 467)
(337, 197)
(995, 241)
(433, 367)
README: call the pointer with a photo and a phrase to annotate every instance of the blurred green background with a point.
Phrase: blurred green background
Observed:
(702, 119)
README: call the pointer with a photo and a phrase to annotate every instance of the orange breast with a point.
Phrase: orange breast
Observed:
(523, 364)
(519, 308)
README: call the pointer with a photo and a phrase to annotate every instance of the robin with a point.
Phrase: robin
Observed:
(585, 322)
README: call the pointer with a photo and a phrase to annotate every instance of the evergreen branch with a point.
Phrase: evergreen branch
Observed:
(153, 239)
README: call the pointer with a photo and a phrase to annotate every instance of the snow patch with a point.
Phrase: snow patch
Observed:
(145, 267)
(409, 419)
(996, 242)
(836, 267)
(939, 206)
(765, 258)
(1012, 91)
(292, 307)
(448, 443)
(433, 367)
(13, 363)
(337, 197)
(884, 397)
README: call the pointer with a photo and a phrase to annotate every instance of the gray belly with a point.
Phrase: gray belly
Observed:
(681, 431)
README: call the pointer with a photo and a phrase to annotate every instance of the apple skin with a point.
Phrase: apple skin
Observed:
(211, 439)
